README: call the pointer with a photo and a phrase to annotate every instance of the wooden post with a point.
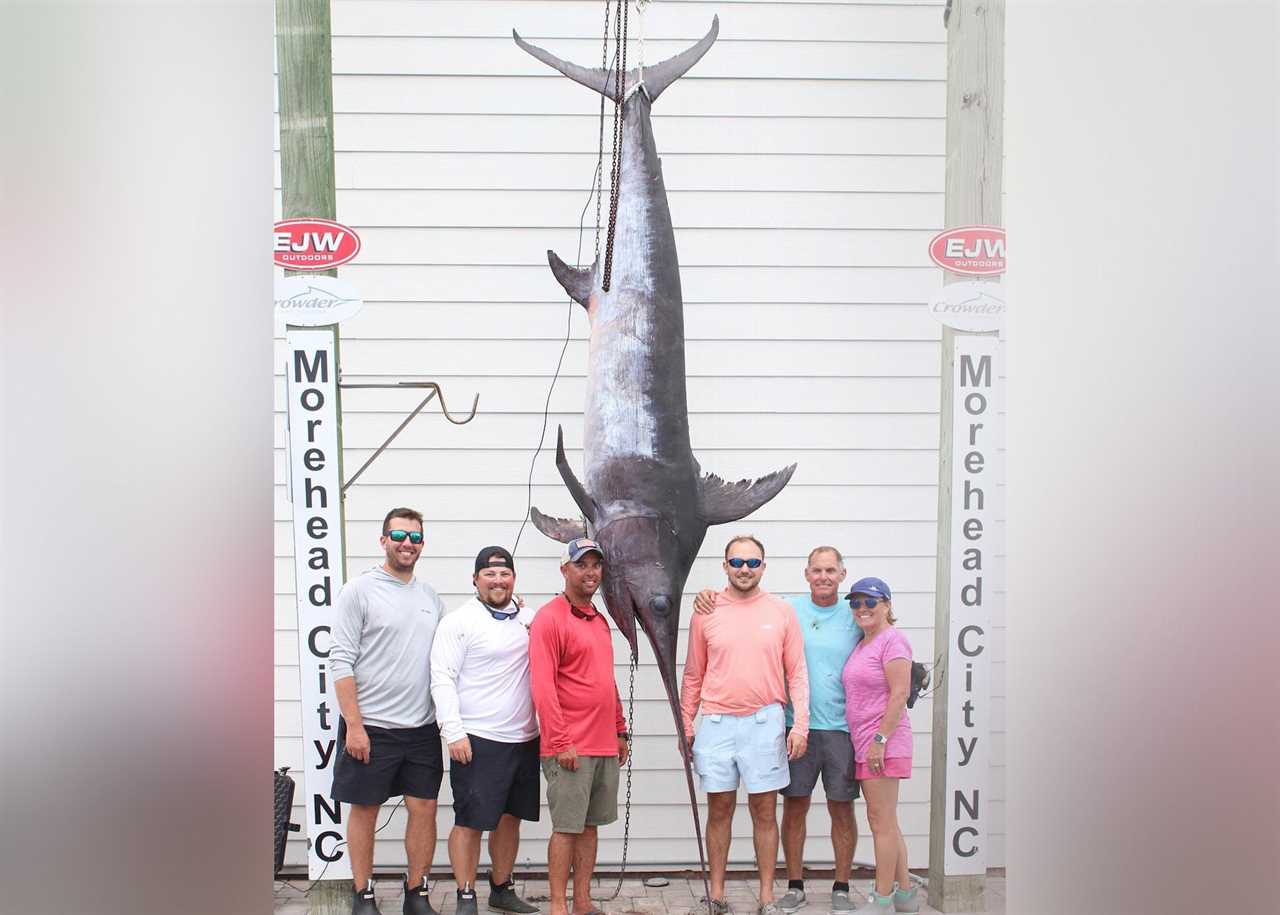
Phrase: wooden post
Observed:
(975, 151)
(305, 86)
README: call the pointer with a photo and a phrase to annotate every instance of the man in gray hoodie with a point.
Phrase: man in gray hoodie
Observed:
(380, 662)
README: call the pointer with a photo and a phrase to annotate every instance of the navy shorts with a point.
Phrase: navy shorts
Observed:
(501, 778)
(406, 761)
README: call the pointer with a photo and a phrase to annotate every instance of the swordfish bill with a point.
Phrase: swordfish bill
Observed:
(644, 498)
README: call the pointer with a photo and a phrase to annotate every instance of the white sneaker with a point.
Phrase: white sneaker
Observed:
(876, 905)
(911, 902)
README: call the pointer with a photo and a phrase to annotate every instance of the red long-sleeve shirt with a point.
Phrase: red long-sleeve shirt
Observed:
(571, 670)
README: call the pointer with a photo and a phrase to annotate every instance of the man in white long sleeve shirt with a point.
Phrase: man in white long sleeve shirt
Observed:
(480, 686)
(389, 741)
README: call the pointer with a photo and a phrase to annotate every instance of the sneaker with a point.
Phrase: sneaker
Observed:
(416, 901)
(363, 903)
(769, 908)
(876, 905)
(840, 901)
(467, 902)
(907, 900)
(791, 900)
(718, 907)
(503, 898)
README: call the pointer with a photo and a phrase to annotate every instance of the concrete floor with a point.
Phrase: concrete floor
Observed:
(679, 897)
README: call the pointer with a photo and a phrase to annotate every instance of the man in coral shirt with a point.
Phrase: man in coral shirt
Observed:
(744, 663)
(584, 733)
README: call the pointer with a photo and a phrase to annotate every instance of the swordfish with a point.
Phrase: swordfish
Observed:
(645, 499)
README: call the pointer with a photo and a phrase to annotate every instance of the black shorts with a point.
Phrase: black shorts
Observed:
(401, 761)
(501, 778)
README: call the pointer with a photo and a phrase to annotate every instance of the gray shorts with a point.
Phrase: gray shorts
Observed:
(828, 752)
(587, 796)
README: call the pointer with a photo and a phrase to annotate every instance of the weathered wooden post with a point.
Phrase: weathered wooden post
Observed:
(305, 81)
(961, 704)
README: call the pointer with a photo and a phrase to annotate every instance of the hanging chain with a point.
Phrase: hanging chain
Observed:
(598, 181)
(620, 75)
(631, 742)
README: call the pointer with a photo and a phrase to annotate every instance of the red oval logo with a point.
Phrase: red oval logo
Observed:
(974, 250)
(314, 244)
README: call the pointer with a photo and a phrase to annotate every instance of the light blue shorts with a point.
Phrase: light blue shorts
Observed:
(752, 746)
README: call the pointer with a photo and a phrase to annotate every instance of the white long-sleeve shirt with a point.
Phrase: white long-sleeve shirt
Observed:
(480, 675)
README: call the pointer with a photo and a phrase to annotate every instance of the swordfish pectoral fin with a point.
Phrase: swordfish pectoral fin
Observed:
(577, 281)
(561, 529)
(720, 502)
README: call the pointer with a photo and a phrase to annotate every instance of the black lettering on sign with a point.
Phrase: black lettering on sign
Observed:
(973, 462)
(313, 459)
(973, 432)
(960, 641)
(322, 496)
(312, 399)
(312, 423)
(970, 805)
(972, 560)
(322, 850)
(319, 803)
(966, 753)
(319, 367)
(970, 491)
(971, 595)
(979, 378)
(967, 708)
(322, 590)
(311, 641)
(321, 678)
(955, 841)
(974, 405)
(972, 529)
(319, 558)
(323, 711)
(325, 751)
(317, 527)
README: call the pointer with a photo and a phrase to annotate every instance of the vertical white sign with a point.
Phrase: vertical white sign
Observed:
(975, 424)
(315, 488)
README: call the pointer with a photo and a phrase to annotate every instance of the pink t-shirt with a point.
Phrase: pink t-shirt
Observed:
(866, 693)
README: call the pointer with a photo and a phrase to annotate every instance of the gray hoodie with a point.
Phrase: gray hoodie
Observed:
(382, 636)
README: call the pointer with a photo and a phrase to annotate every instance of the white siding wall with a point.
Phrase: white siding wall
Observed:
(803, 158)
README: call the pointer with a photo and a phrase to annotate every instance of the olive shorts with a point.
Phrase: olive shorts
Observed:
(587, 796)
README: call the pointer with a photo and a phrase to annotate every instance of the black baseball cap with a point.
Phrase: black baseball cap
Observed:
(494, 556)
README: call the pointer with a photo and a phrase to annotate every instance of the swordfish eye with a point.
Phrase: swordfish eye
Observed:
(660, 604)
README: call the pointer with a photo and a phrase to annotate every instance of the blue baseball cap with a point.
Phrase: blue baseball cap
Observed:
(872, 587)
(579, 547)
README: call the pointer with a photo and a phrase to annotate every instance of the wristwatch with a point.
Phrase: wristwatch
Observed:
(880, 738)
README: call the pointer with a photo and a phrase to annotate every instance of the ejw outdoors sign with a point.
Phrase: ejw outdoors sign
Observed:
(315, 488)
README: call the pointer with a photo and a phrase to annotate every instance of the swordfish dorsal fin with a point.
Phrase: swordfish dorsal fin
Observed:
(720, 501)
(577, 281)
(656, 78)
(561, 529)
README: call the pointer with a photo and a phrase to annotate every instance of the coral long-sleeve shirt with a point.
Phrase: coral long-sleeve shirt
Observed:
(574, 693)
(744, 656)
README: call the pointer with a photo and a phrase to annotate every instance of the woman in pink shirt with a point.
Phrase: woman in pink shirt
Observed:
(877, 680)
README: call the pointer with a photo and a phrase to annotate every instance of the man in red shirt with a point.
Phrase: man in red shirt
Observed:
(583, 731)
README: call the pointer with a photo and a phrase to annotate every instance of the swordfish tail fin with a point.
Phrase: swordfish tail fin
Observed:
(656, 78)
(720, 502)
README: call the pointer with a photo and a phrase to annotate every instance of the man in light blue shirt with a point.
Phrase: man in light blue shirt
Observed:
(829, 637)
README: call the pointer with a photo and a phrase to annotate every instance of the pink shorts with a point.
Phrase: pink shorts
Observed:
(894, 767)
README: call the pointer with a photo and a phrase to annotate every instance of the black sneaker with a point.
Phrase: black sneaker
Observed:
(416, 901)
(363, 903)
(503, 898)
(467, 902)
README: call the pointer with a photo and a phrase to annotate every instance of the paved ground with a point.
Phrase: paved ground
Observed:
(678, 897)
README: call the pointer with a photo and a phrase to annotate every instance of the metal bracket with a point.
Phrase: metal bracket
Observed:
(401, 385)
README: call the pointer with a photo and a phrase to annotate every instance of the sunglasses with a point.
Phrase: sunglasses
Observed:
(749, 563)
(399, 536)
(856, 603)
